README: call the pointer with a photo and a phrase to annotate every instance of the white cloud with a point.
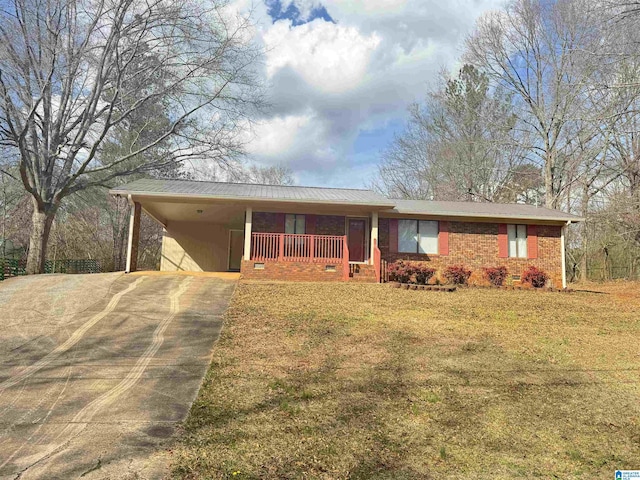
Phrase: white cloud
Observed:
(329, 57)
(299, 141)
(368, 7)
(279, 134)
(331, 81)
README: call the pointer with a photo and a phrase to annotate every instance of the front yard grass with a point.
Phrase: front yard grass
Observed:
(365, 381)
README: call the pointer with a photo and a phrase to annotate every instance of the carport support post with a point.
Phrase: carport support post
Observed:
(374, 235)
(247, 233)
(563, 254)
(134, 237)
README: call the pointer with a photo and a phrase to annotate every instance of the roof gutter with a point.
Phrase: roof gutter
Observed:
(490, 216)
(125, 193)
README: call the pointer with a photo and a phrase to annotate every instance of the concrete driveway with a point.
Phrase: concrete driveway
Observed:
(96, 371)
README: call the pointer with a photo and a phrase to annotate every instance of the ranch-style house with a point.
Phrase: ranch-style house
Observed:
(333, 234)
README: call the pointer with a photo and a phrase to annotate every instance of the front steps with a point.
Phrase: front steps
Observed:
(362, 273)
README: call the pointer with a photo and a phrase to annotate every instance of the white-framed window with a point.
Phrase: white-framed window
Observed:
(517, 240)
(418, 236)
(294, 224)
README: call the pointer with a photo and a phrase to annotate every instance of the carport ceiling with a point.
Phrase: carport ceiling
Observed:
(224, 213)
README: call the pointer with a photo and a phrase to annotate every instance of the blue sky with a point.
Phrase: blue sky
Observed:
(277, 11)
(340, 75)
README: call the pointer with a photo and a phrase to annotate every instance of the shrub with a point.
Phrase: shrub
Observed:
(496, 275)
(535, 277)
(400, 271)
(423, 273)
(457, 274)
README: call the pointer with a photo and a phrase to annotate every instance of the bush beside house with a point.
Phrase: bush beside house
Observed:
(420, 274)
(496, 275)
(535, 277)
(457, 274)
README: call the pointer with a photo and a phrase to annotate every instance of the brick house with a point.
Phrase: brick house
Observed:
(329, 234)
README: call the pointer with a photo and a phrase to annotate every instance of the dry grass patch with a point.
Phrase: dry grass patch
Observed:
(366, 381)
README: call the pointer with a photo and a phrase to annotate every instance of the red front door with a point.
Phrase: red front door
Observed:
(356, 239)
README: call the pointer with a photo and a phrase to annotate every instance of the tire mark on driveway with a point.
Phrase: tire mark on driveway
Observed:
(70, 342)
(84, 416)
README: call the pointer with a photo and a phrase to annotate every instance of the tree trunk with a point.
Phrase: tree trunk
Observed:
(584, 210)
(42, 219)
(549, 187)
(584, 260)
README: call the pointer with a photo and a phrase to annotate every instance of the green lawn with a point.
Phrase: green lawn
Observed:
(366, 381)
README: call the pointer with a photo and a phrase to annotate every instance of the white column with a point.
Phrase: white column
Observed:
(374, 234)
(134, 237)
(562, 253)
(247, 233)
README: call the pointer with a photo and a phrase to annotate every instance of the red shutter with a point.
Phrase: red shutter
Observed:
(310, 224)
(393, 235)
(279, 223)
(443, 238)
(503, 241)
(532, 241)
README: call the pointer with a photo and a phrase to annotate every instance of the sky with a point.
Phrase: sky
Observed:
(340, 75)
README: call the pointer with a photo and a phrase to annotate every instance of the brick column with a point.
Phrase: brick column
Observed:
(134, 237)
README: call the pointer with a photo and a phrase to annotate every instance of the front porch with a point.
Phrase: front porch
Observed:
(348, 251)
(304, 257)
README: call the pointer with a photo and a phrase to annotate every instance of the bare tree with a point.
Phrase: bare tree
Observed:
(77, 75)
(272, 175)
(239, 173)
(10, 196)
(539, 51)
(458, 145)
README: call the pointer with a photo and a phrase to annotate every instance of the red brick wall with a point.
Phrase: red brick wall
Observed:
(475, 245)
(263, 222)
(293, 271)
(330, 225)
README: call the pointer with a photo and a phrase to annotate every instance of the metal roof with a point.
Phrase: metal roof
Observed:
(340, 196)
(276, 193)
(514, 211)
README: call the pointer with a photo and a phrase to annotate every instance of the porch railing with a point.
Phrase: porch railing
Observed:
(285, 247)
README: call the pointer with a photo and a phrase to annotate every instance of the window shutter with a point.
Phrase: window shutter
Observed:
(443, 238)
(310, 221)
(503, 241)
(280, 223)
(532, 241)
(393, 235)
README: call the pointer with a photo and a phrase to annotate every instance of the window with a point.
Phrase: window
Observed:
(294, 224)
(418, 236)
(517, 240)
